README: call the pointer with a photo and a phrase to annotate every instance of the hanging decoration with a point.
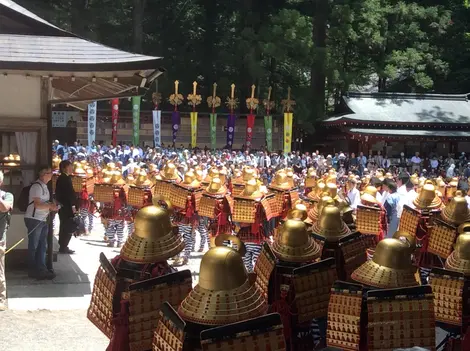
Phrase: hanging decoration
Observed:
(288, 105)
(213, 102)
(136, 119)
(114, 120)
(232, 104)
(194, 100)
(268, 120)
(92, 122)
(252, 104)
(175, 99)
(157, 119)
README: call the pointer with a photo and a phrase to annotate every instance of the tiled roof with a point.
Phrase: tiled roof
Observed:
(412, 132)
(398, 108)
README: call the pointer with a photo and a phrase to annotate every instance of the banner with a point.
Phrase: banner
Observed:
(157, 125)
(92, 122)
(175, 123)
(136, 119)
(230, 130)
(193, 116)
(213, 117)
(268, 127)
(250, 125)
(114, 120)
(288, 117)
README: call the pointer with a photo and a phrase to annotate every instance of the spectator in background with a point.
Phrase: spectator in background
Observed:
(353, 194)
(35, 219)
(391, 205)
(6, 204)
(416, 163)
(67, 199)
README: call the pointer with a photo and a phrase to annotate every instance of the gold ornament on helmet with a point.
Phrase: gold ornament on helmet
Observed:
(390, 267)
(154, 238)
(311, 179)
(142, 179)
(315, 211)
(190, 180)
(280, 182)
(56, 162)
(370, 195)
(459, 259)
(330, 225)
(456, 212)
(223, 175)
(169, 172)
(116, 178)
(78, 169)
(427, 198)
(292, 242)
(225, 293)
(251, 190)
(216, 187)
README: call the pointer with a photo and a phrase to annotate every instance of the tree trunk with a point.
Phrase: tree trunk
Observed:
(137, 25)
(318, 70)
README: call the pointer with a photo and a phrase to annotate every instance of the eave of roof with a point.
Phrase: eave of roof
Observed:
(404, 109)
(394, 133)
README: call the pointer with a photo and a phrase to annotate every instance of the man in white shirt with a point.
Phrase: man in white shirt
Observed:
(354, 195)
(415, 163)
(35, 220)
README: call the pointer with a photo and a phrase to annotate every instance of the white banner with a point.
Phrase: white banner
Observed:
(157, 127)
(92, 122)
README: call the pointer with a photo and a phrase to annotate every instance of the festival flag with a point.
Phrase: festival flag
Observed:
(135, 120)
(288, 119)
(232, 103)
(92, 122)
(252, 104)
(175, 99)
(213, 102)
(194, 100)
(268, 120)
(157, 120)
(114, 119)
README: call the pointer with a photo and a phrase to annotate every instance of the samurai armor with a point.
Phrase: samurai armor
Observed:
(409, 220)
(262, 333)
(451, 293)
(100, 311)
(170, 332)
(207, 206)
(353, 249)
(401, 318)
(80, 183)
(104, 193)
(368, 220)
(312, 285)
(344, 316)
(145, 300)
(244, 210)
(162, 187)
(237, 189)
(268, 202)
(264, 268)
(179, 196)
(441, 238)
(139, 197)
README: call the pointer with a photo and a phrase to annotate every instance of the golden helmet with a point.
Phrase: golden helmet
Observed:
(142, 179)
(332, 178)
(294, 244)
(414, 179)
(213, 173)
(223, 175)
(111, 166)
(169, 172)
(56, 162)
(116, 178)
(251, 190)
(456, 212)
(459, 259)
(280, 181)
(390, 267)
(427, 198)
(290, 178)
(154, 238)
(248, 173)
(332, 189)
(311, 179)
(330, 225)
(370, 195)
(316, 209)
(190, 180)
(199, 174)
(78, 169)
(216, 187)
(225, 293)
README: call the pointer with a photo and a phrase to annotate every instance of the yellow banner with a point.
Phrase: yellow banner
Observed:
(288, 118)
(193, 129)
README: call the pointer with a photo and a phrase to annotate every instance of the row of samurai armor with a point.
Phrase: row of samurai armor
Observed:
(141, 303)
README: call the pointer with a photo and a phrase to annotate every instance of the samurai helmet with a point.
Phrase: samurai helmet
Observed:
(427, 198)
(330, 225)
(459, 259)
(456, 212)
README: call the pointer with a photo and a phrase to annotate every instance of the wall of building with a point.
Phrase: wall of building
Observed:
(20, 96)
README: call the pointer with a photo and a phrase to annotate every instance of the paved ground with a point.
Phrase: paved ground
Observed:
(51, 315)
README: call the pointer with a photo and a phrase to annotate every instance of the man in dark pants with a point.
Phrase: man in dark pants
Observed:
(66, 197)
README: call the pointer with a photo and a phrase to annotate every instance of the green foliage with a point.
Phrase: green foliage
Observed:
(420, 45)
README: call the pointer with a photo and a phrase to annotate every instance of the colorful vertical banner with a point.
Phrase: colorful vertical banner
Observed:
(230, 130)
(250, 125)
(268, 127)
(157, 125)
(114, 119)
(193, 116)
(175, 123)
(213, 121)
(288, 118)
(135, 120)
(92, 122)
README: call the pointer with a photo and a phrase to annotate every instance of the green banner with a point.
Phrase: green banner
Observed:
(135, 120)
(213, 130)
(268, 127)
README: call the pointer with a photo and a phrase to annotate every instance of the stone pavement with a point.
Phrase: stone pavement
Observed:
(51, 315)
